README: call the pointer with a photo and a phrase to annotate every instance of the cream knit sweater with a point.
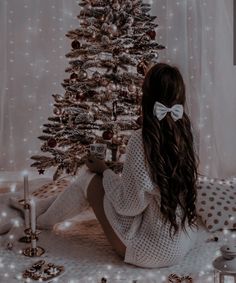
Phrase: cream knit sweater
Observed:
(132, 206)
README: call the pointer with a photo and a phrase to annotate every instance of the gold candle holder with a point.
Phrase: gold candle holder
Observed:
(27, 230)
(33, 251)
(27, 237)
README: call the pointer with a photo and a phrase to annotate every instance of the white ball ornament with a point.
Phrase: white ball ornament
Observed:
(88, 6)
(94, 35)
(112, 87)
(132, 88)
(105, 39)
(130, 21)
(113, 29)
(83, 75)
(118, 87)
(105, 27)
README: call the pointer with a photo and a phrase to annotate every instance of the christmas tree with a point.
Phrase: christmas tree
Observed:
(110, 53)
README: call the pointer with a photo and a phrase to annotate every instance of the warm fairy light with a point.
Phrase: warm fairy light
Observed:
(19, 276)
(65, 225)
(225, 232)
(16, 222)
(163, 278)
(4, 214)
(210, 279)
(12, 266)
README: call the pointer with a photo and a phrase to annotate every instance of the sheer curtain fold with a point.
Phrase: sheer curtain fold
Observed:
(199, 40)
(204, 54)
(32, 53)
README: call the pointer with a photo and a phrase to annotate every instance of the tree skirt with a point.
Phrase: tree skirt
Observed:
(81, 247)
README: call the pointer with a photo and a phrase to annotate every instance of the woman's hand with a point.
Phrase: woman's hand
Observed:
(95, 165)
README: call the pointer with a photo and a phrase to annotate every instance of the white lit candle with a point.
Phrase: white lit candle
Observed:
(26, 188)
(27, 218)
(32, 216)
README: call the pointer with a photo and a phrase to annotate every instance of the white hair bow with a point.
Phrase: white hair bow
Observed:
(161, 110)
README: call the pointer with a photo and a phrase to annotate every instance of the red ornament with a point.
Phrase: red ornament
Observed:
(142, 67)
(73, 76)
(75, 44)
(116, 51)
(91, 93)
(107, 135)
(52, 143)
(152, 34)
(57, 111)
(80, 96)
(124, 94)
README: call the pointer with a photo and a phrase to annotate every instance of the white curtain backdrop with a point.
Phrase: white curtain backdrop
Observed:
(199, 40)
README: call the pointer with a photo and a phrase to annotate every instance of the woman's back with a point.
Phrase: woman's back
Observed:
(133, 207)
(152, 207)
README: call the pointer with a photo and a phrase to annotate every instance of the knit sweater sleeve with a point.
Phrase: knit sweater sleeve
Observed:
(131, 192)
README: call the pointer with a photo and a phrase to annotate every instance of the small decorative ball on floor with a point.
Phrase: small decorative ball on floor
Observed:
(213, 239)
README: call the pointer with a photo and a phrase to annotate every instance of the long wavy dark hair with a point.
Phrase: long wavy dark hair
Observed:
(169, 147)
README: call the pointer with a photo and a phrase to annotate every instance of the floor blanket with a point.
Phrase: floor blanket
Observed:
(80, 245)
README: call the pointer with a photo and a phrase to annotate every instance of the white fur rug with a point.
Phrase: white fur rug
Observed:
(81, 247)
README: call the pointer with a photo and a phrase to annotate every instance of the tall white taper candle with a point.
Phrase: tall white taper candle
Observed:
(32, 215)
(26, 188)
(27, 218)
